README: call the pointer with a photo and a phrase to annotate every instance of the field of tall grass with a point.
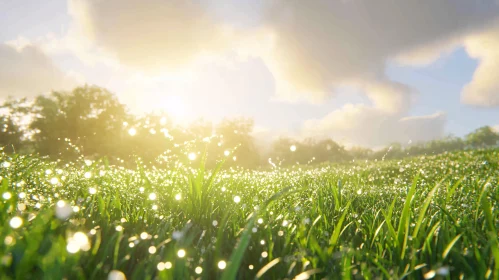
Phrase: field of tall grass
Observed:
(431, 217)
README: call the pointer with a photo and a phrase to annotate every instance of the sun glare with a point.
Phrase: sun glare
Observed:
(175, 106)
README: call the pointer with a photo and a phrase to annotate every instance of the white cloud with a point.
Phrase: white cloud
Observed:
(320, 44)
(483, 90)
(25, 70)
(388, 96)
(310, 47)
(152, 35)
(367, 126)
(422, 56)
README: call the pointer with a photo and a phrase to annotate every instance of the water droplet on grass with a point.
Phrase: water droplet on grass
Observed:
(16, 222)
(222, 264)
(181, 253)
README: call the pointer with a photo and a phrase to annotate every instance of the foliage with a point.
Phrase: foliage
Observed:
(483, 136)
(90, 121)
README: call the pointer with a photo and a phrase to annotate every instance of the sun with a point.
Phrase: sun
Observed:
(175, 106)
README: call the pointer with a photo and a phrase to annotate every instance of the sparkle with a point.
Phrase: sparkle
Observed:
(192, 156)
(132, 131)
(116, 275)
(222, 264)
(181, 253)
(8, 240)
(237, 199)
(152, 250)
(72, 247)
(16, 222)
(6, 195)
(160, 266)
(63, 210)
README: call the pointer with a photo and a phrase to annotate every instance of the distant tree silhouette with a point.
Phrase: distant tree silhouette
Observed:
(89, 117)
(89, 121)
(13, 137)
(483, 136)
(360, 152)
(237, 133)
(287, 151)
(10, 135)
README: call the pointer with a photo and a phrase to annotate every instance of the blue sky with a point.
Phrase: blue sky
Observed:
(361, 74)
(440, 86)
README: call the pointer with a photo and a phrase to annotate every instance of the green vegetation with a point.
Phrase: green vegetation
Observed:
(91, 121)
(423, 217)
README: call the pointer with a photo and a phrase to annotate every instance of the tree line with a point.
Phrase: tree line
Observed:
(90, 122)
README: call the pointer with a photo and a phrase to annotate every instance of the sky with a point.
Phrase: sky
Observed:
(362, 72)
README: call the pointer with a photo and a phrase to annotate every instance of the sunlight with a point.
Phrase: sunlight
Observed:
(175, 106)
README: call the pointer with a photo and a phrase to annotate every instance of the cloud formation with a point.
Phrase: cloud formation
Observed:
(26, 71)
(483, 90)
(358, 124)
(311, 48)
(151, 35)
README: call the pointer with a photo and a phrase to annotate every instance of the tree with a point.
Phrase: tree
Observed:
(13, 119)
(10, 135)
(237, 133)
(288, 151)
(481, 137)
(360, 152)
(88, 120)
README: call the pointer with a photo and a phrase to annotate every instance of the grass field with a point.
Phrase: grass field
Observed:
(425, 217)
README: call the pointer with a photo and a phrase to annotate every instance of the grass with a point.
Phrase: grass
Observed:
(425, 217)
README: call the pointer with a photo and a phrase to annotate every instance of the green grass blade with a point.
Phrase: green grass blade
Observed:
(492, 232)
(406, 212)
(337, 229)
(450, 245)
(266, 267)
(422, 212)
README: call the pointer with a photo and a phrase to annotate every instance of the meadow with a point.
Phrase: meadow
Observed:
(431, 217)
